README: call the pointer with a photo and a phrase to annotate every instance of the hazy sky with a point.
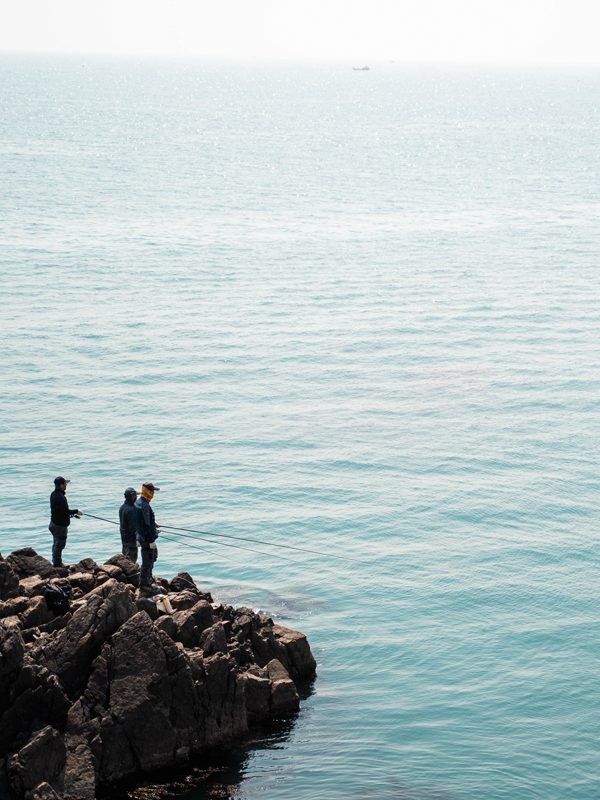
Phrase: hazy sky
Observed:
(457, 31)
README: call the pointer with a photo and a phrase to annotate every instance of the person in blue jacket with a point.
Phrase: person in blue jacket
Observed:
(128, 526)
(146, 533)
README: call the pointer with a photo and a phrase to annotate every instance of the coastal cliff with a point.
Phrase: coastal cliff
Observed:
(115, 688)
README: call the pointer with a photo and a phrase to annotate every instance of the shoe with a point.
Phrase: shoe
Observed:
(150, 588)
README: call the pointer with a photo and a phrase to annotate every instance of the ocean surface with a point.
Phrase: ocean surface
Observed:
(353, 312)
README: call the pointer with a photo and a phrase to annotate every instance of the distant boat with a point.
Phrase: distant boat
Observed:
(361, 69)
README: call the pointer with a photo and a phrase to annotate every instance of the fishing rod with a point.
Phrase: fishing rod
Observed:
(259, 541)
(246, 539)
(210, 544)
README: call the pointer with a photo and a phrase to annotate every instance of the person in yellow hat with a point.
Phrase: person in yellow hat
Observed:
(146, 533)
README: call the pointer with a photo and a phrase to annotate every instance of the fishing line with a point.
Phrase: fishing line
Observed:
(246, 539)
(210, 544)
(268, 544)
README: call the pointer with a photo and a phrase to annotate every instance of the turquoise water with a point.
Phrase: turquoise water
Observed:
(352, 312)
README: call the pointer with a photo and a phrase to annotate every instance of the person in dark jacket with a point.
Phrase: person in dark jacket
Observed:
(60, 519)
(128, 526)
(146, 533)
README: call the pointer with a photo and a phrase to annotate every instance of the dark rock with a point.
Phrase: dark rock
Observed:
(85, 565)
(284, 697)
(26, 562)
(9, 581)
(80, 774)
(165, 623)
(183, 600)
(129, 569)
(11, 661)
(85, 581)
(35, 695)
(42, 759)
(298, 659)
(148, 605)
(163, 583)
(153, 706)
(257, 689)
(36, 614)
(14, 606)
(42, 791)
(115, 686)
(12, 623)
(70, 653)
(192, 622)
(112, 571)
(183, 581)
(32, 586)
(213, 640)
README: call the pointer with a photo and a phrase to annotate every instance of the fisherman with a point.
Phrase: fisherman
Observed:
(146, 533)
(128, 526)
(60, 518)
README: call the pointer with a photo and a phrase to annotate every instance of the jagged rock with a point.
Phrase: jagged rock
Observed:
(14, 606)
(35, 695)
(27, 562)
(85, 565)
(183, 600)
(112, 571)
(37, 613)
(128, 567)
(119, 693)
(70, 653)
(9, 581)
(152, 706)
(32, 586)
(82, 580)
(148, 605)
(42, 791)
(11, 661)
(42, 759)
(284, 697)
(192, 622)
(287, 646)
(80, 775)
(182, 582)
(298, 660)
(213, 640)
(165, 623)
(257, 694)
(12, 623)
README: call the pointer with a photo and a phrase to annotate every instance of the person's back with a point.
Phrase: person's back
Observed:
(128, 525)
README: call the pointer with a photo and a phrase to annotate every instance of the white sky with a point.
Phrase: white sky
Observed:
(434, 31)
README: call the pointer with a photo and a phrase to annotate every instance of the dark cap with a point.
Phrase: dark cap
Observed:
(151, 486)
(59, 480)
(129, 492)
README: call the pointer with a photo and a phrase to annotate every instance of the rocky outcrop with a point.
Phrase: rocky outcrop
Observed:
(116, 687)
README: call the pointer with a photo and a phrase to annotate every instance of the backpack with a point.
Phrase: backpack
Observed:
(58, 598)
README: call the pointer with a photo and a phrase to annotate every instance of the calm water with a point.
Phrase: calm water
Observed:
(354, 312)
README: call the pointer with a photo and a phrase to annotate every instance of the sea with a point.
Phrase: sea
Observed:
(350, 312)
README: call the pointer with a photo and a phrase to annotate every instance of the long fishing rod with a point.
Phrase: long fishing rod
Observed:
(259, 541)
(210, 544)
(254, 541)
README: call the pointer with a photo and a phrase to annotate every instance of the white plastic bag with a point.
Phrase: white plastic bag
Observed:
(163, 603)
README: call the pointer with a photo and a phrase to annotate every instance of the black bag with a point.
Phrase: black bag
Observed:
(58, 598)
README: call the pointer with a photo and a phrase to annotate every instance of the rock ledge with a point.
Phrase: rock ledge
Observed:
(115, 687)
